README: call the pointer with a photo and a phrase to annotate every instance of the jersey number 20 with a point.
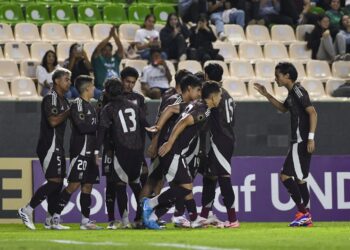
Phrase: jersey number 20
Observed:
(132, 117)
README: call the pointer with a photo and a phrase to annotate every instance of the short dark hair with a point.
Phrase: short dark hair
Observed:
(113, 87)
(129, 71)
(190, 80)
(209, 88)
(82, 81)
(287, 68)
(155, 50)
(200, 75)
(58, 73)
(109, 44)
(202, 17)
(181, 74)
(214, 71)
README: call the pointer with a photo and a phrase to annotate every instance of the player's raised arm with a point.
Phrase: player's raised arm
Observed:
(277, 104)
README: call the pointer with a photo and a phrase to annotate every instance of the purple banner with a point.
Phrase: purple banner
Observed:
(260, 196)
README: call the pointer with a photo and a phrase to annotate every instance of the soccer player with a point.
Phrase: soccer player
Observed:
(83, 171)
(222, 140)
(175, 149)
(303, 124)
(54, 114)
(126, 122)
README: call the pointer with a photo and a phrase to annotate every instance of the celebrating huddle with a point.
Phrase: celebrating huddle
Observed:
(197, 109)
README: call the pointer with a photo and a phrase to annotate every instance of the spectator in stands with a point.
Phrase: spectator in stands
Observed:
(343, 37)
(147, 37)
(173, 38)
(105, 64)
(335, 14)
(189, 10)
(342, 91)
(320, 40)
(201, 39)
(156, 76)
(222, 11)
(306, 15)
(79, 64)
(270, 11)
(252, 12)
(45, 70)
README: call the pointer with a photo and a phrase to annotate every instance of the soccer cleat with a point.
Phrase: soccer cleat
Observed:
(90, 225)
(300, 219)
(26, 218)
(213, 220)
(138, 225)
(199, 222)
(146, 210)
(152, 224)
(125, 223)
(56, 225)
(181, 221)
(113, 225)
(229, 224)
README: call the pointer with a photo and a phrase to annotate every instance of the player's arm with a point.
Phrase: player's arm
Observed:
(79, 119)
(313, 124)
(277, 104)
(103, 43)
(51, 111)
(55, 120)
(104, 124)
(186, 121)
(165, 116)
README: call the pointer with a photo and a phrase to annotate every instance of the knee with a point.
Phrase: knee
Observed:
(86, 188)
(284, 177)
(72, 187)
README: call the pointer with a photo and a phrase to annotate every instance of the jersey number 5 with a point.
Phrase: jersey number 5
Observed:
(229, 107)
(132, 117)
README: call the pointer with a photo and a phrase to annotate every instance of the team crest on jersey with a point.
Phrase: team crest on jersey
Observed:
(81, 116)
(54, 111)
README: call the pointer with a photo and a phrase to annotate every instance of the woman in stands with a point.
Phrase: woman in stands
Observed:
(147, 37)
(343, 37)
(173, 38)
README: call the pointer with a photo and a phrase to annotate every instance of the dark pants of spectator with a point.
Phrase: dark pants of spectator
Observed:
(177, 48)
(203, 55)
(278, 19)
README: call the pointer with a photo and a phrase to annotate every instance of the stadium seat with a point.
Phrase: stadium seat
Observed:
(242, 70)
(227, 50)
(48, 3)
(28, 68)
(38, 50)
(253, 93)
(62, 14)
(341, 70)
(314, 87)
(318, 70)
(333, 84)
(17, 51)
(27, 32)
(100, 3)
(5, 93)
(158, 26)
(53, 32)
(137, 64)
(1, 54)
(282, 33)
(171, 67)
(258, 34)
(250, 51)
(300, 68)
(162, 11)
(190, 65)
(11, 13)
(79, 32)
(302, 29)
(127, 31)
(298, 51)
(137, 13)
(6, 34)
(23, 3)
(37, 14)
(265, 69)
(23, 88)
(74, 3)
(90, 47)
(148, 3)
(8, 70)
(226, 73)
(275, 51)
(115, 14)
(236, 88)
(101, 31)
(235, 33)
(63, 51)
(89, 14)
(170, 2)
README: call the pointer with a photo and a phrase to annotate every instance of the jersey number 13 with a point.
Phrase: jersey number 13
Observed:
(130, 113)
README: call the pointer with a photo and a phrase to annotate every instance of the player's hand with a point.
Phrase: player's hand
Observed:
(261, 89)
(153, 129)
(165, 148)
(152, 150)
(310, 146)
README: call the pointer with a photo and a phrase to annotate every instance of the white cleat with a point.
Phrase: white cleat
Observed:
(55, 224)
(90, 225)
(200, 222)
(213, 220)
(181, 222)
(113, 225)
(126, 223)
(27, 218)
(48, 221)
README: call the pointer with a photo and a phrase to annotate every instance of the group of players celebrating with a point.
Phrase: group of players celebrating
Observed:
(193, 133)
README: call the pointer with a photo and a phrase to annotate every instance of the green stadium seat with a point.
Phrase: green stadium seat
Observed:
(149, 3)
(89, 14)
(137, 13)
(63, 14)
(11, 13)
(123, 2)
(37, 14)
(48, 3)
(100, 3)
(74, 2)
(169, 2)
(114, 14)
(23, 3)
(162, 11)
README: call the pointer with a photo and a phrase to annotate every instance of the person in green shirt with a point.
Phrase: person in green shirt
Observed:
(335, 14)
(104, 63)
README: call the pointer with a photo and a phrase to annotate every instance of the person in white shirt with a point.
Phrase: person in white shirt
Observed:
(156, 76)
(147, 38)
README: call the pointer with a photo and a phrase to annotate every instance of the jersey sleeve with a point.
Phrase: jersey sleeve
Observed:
(50, 104)
(304, 98)
(83, 123)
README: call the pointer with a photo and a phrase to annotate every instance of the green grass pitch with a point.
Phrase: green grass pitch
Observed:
(324, 235)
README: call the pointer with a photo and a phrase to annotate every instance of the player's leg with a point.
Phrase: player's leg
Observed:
(144, 172)
(52, 201)
(122, 199)
(136, 189)
(110, 201)
(85, 203)
(229, 200)
(208, 194)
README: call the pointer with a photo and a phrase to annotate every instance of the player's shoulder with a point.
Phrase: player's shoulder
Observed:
(51, 97)
(299, 90)
(175, 99)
